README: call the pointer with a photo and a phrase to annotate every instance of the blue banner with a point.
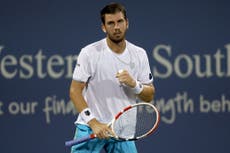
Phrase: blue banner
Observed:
(188, 45)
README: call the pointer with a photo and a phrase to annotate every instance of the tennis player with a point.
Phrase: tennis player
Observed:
(109, 75)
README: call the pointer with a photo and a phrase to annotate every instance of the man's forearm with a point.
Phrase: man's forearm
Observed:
(76, 96)
(147, 94)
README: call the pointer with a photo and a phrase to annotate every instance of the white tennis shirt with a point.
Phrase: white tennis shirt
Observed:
(98, 65)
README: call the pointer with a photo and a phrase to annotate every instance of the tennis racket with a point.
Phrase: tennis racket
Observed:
(132, 123)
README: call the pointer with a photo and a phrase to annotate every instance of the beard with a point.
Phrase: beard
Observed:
(117, 37)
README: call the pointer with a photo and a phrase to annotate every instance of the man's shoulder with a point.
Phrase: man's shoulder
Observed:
(135, 48)
(95, 46)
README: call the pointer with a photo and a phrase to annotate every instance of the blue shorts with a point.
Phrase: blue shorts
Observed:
(96, 145)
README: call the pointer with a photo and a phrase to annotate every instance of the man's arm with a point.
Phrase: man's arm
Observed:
(76, 96)
(146, 94)
(76, 89)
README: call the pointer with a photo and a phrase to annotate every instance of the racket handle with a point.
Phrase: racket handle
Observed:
(80, 140)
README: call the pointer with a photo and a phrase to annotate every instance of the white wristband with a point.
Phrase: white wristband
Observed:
(86, 115)
(138, 88)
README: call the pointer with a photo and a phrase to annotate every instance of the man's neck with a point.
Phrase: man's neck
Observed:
(116, 47)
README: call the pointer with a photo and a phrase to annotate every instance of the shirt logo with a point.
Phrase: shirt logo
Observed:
(150, 76)
(87, 113)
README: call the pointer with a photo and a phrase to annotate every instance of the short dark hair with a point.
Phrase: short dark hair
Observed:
(112, 8)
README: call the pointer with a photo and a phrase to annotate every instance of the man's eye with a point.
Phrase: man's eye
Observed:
(110, 23)
(120, 21)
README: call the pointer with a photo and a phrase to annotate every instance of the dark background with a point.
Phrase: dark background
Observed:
(62, 28)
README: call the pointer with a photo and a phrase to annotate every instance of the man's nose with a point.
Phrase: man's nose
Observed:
(116, 26)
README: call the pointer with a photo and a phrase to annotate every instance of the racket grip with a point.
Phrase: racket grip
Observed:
(80, 140)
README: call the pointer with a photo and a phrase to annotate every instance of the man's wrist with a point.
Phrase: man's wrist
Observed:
(138, 88)
(87, 115)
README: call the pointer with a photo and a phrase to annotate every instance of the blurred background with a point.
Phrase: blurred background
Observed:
(188, 44)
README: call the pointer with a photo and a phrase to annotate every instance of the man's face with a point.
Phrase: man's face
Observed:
(115, 26)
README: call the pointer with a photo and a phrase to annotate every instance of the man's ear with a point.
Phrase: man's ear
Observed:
(103, 28)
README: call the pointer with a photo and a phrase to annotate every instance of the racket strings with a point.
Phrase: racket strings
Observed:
(146, 117)
(135, 122)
